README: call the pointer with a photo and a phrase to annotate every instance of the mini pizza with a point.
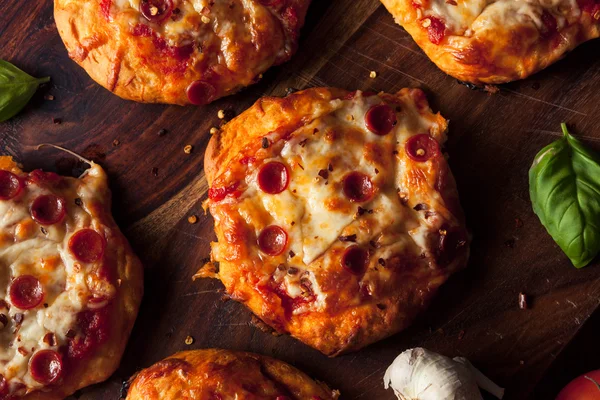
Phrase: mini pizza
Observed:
(336, 214)
(178, 51)
(70, 285)
(490, 42)
(215, 374)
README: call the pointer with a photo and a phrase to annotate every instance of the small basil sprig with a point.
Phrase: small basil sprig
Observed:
(564, 185)
(16, 89)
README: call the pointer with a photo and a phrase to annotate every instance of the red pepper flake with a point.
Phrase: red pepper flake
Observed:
(292, 254)
(523, 301)
(323, 173)
(347, 238)
(50, 339)
(23, 351)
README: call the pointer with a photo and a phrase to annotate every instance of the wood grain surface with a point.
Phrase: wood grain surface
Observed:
(156, 186)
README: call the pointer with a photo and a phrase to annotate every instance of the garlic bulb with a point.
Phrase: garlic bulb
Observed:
(420, 374)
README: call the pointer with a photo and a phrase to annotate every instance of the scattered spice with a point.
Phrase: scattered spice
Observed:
(57, 121)
(330, 167)
(323, 173)
(302, 143)
(360, 210)
(70, 334)
(162, 132)
(188, 149)
(44, 231)
(49, 97)
(18, 317)
(192, 219)
(189, 340)
(373, 74)
(491, 89)
(420, 207)
(265, 143)
(347, 238)
(116, 142)
(292, 271)
(22, 351)
(50, 339)
(292, 254)
(381, 262)
(221, 114)
(523, 301)
(155, 171)
(3, 321)
(78, 202)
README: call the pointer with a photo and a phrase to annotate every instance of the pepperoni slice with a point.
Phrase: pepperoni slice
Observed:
(272, 240)
(48, 209)
(87, 245)
(358, 187)
(436, 29)
(422, 147)
(10, 185)
(156, 10)
(200, 93)
(273, 177)
(380, 119)
(46, 366)
(355, 259)
(26, 292)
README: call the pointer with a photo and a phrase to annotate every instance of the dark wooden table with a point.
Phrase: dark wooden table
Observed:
(493, 139)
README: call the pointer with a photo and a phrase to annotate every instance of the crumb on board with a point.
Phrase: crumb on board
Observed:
(192, 219)
(523, 301)
(214, 130)
(373, 74)
(188, 149)
(221, 114)
(189, 340)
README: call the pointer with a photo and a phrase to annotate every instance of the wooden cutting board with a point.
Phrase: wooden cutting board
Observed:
(493, 139)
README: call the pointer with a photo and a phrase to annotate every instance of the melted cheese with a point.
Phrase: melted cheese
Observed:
(45, 256)
(469, 16)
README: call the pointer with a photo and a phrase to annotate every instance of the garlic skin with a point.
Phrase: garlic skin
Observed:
(420, 374)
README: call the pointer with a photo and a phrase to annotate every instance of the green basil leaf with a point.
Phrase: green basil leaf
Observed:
(564, 186)
(16, 89)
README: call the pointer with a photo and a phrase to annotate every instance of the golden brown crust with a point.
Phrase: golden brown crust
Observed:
(223, 374)
(104, 359)
(133, 59)
(497, 55)
(344, 325)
